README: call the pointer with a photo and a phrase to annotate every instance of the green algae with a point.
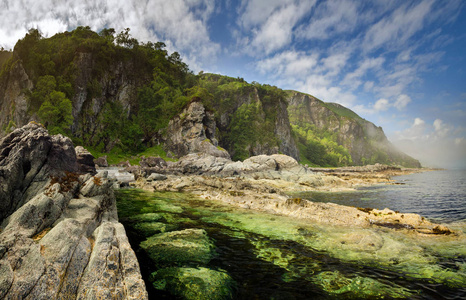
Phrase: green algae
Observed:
(380, 247)
(412, 256)
(194, 283)
(152, 228)
(358, 287)
(189, 246)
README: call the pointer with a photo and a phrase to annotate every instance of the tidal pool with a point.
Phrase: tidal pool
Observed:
(265, 256)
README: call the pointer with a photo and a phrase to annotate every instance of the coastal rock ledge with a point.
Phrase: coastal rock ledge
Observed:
(59, 236)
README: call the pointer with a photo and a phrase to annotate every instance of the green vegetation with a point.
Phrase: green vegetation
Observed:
(4, 57)
(342, 111)
(253, 110)
(116, 96)
(319, 147)
(55, 66)
(116, 155)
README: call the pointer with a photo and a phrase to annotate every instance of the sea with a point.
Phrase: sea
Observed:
(439, 196)
(275, 257)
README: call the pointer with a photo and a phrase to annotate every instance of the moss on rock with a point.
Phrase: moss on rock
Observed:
(194, 283)
(189, 246)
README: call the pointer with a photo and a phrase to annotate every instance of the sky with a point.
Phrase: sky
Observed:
(400, 64)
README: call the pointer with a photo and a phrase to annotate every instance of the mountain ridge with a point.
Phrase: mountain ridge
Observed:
(110, 93)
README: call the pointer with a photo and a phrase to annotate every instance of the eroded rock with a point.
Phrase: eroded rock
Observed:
(60, 236)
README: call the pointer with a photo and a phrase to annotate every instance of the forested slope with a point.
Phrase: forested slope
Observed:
(113, 94)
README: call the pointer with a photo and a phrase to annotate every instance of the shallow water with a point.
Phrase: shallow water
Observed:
(438, 195)
(275, 257)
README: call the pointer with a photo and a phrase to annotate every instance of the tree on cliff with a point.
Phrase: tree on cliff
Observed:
(55, 112)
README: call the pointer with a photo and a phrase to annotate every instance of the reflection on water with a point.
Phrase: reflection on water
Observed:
(275, 257)
(439, 195)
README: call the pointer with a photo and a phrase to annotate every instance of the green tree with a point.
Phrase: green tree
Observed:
(55, 112)
(45, 85)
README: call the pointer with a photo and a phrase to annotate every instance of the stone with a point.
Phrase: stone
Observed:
(194, 283)
(85, 160)
(60, 236)
(193, 131)
(101, 161)
(179, 247)
(156, 177)
(153, 162)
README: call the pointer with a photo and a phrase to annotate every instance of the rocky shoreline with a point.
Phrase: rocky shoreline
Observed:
(261, 183)
(60, 236)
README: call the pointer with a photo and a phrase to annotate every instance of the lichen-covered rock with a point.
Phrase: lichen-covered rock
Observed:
(194, 283)
(60, 236)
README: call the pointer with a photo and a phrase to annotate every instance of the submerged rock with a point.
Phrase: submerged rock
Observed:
(194, 283)
(60, 236)
(180, 247)
(358, 287)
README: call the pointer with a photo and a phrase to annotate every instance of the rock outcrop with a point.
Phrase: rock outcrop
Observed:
(193, 131)
(60, 237)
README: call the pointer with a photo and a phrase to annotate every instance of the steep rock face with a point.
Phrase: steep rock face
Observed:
(60, 236)
(283, 132)
(115, 85)
(193, 131)
(266, 128)
(362, 138)
(13, 101)
(118, 85)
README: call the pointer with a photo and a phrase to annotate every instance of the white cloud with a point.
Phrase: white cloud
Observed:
(399, 27)
(181, 24)
(419, 122)
(256, 12)
(381, 105)
(289, 63)
(353, 79)
(460, 141)
(402, 101)
(434, 145)
(441, 129)
(331, 17)
(272, 27)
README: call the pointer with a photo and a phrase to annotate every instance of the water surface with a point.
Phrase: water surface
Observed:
(437, 195)
(276, 257)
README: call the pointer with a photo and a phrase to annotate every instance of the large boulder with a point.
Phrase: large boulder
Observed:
(85, 160)
(60, 236)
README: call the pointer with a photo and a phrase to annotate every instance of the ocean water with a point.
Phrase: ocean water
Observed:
(439, 196)
(275, 257)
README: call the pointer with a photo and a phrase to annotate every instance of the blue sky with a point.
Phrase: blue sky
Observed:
(399, 64)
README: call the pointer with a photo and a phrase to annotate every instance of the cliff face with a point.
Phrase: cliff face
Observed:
(126, 98)
(193, 131)
(13, 105)
(252, 119)
(116, 85)
(366, 143)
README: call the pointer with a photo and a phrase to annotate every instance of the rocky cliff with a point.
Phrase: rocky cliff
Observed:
(366, 143)
(59, 236)
(125, 98)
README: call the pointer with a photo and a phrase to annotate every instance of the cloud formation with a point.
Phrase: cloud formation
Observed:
(373, 57)
(181, 24)
(432, 144)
